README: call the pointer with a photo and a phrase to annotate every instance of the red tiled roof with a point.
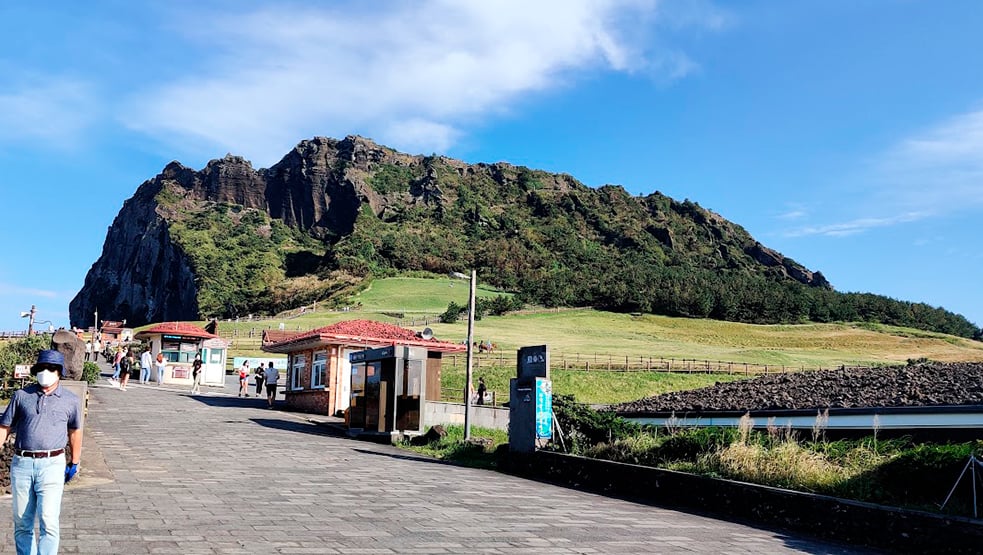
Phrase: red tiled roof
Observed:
(368, 332)
(276, 336)
(176, 328)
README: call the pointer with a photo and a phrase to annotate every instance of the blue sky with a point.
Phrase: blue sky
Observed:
(847, 135)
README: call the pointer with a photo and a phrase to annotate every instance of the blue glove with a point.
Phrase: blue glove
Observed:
(70, 471)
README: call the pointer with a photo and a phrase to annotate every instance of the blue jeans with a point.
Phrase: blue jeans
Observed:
(160, 375)
(116, 371)
(144, 374)
(36, 486)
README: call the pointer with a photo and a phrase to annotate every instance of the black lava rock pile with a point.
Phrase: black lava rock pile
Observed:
(929, 384)
(6, 456)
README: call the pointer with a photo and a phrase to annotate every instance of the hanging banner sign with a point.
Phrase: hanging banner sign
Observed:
(544, 408)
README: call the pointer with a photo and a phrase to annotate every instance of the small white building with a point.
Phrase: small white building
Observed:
(179, 342)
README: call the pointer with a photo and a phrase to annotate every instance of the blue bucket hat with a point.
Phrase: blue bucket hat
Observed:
(48, 358)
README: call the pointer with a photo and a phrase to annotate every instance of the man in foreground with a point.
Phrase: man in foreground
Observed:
(43, 417)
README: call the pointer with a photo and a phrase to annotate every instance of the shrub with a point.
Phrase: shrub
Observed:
(689, 444)
(90, 372)
(587, 427)
(453, 313)
(921, 476)
(21, 351)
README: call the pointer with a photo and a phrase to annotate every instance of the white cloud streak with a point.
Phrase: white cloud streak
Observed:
(411, 75)
(51, 110)
(941, 169)
(7, 289)
(928, 175)
(853, 227)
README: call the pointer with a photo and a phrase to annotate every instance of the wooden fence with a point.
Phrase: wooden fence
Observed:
(605, 362)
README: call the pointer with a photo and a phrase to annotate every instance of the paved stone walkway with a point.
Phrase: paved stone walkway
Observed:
(165, 472)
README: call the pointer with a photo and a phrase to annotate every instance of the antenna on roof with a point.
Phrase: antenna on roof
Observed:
(426, 334)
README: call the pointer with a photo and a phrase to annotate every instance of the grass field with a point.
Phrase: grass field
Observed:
(418, 295)
(594, 334)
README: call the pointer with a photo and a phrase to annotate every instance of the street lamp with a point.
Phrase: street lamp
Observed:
(30, 322)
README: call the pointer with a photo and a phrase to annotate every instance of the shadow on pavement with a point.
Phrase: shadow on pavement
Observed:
(298, 427)
(410, 457)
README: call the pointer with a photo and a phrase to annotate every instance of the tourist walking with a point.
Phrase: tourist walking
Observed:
(116, 362)
(88, 350)
(196, 374)
(244, 379)
(126, 366)
(260, 378)
(44, 418)
(146, 363)
(272, 378)
(161, 366)
(96, 349)
(482, 388)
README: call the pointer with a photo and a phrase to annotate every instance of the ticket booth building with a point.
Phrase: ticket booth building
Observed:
(179, 342)
(319, 373)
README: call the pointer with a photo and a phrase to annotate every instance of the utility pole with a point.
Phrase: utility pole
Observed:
(467, 377)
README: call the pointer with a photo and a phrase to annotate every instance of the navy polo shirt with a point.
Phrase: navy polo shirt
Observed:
(41, 422)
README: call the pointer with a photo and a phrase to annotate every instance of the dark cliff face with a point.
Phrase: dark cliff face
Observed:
(141, 276)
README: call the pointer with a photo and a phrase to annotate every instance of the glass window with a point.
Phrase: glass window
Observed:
(177, 351)
(299, 362)
(319, 370)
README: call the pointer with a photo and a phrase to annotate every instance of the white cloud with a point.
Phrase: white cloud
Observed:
(7, 289)
(51, 110)
(940, 169)
(794, 212)
(853, 227)
(406, 74)
(930, 174)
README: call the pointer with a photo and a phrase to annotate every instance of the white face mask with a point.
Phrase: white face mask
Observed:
(47, 378)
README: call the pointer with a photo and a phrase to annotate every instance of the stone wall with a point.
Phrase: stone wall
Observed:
(840, 520)
(496, 418)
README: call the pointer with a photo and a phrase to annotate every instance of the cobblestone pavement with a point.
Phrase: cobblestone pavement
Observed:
(165, 472)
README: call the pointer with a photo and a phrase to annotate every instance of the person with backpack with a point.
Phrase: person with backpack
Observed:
(260, 377)
(125, 365)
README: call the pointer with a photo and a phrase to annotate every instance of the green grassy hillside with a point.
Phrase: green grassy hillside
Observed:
(418, 295)
(598, 336)
(590, 332)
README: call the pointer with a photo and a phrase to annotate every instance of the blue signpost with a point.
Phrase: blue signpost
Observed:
(544, 408)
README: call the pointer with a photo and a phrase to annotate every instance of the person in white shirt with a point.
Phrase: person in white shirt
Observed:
(146, 363)
(272, 377)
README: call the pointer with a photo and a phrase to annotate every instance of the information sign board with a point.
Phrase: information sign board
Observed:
(22, 370)
(533, 362)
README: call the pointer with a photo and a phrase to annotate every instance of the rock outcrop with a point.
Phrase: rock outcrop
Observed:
(431, 214)
(68, 344)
